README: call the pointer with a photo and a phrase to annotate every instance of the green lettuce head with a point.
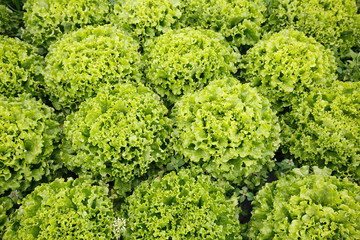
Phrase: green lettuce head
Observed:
(284, 65)
(72, 209)
(21, 68)
(229, 129)
(239, 21)
(146, 19)
(47, 20)
(183, 205)
(83, 61)
(180, 62)
(307, 206)
(118, 135)
(323, 129)
(334, 24)
(28, 134)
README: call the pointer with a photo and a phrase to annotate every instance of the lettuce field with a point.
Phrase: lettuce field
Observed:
(179, 119)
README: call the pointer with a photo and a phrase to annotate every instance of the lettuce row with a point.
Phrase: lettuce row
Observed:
(229, 129)
(146, 19)
(71, 209)
(284, 65)
(307, 206)
(118, 135)
(21, 68)
(47, 20)
(28, 136)
(334, 24)
(322, 129)
(239, 21)
(84, 60)
(183, 61)
(183, 205)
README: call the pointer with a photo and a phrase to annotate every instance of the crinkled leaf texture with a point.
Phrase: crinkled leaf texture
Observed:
(229, 129)
(9, 21)
(284, 65)
(239, 21)
(6, 208)
(307, 206)
(83, 61)
(118, 135)
(323, 129)
(349, 66)
(28, 133)
(146, 19)
(335, 24)
(47, 20)
(72, 209)
(21, 68)
(186, 60)
(183, 205)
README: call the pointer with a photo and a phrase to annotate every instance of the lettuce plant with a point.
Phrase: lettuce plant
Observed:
(28, 134)
(284, 65)
(183, 61)
(229, 129)
(335, 24)
(146, 19)
(239, 21)
(84, 60)
(304, 205)
(118, 135)
(21, 68)
(72, 209)
(323, 127)
(183, 205)
(47, 20)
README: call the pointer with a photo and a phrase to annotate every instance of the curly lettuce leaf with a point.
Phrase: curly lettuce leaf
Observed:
(229, 129)
(118, 135)
(183, 205)
(304, 205)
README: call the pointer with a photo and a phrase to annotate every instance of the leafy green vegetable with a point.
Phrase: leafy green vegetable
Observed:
(46, 20)
(183, 205)
(72, 209)
(146, 19)
(349, 66)
(28, 136)
(15, 5)
(6, 207)
(84, 60)
(239, 21)
(180, 62)
(21, 68)
(307, 206)
(322, 129)
(167, 112)
(332, 23)
(118, 135)
(228, 129)
(9, 21)
(285, 65)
